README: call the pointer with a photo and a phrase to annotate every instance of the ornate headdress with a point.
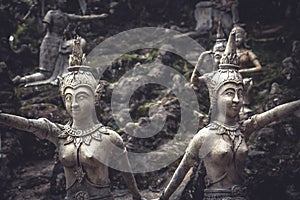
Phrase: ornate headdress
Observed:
(242, 33)
(227, 72)
(78, 74)
(239, 29)
(221, 41)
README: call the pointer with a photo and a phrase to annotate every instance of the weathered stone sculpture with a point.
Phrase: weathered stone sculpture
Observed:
(248, 64)
(55, 22)
(291, 64)
(208, 13)
(221, 145)
(215, 55)
(85, 146)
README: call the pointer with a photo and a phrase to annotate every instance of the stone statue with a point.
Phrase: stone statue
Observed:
(85, 146)
(248, 64)
(275, 96)
(208, 13)
(215, 55)
(221, 145)
(291, 64)
(55, 22)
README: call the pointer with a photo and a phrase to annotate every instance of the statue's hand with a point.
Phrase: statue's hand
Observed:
(104, 15)
(159, 198)
(139, 198)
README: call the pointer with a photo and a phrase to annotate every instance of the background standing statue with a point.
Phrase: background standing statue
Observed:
(210, 60)
(291, 64)
(248, 64)
(86, 147)
(208, 13)
(221, 145)
(54, 23)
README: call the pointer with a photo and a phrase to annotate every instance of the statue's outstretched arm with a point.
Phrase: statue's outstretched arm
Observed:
(130, 181)
(184, 166)
(128, 176)
(119, 159)
(279, 112)
(194, 78)
(42, 127)
(74, 17)
(255, 62)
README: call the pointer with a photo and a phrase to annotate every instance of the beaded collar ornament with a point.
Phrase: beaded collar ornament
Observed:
(82, 136)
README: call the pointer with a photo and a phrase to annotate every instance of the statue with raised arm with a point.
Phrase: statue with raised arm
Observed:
(248, 64)
(221, 145)
(85, 146)
(213, 55)
(54, 23)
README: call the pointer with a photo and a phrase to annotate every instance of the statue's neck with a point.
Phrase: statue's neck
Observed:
(83, 124)
(226, 121)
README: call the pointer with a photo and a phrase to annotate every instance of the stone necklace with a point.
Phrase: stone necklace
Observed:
(232, 132)
(81, 136)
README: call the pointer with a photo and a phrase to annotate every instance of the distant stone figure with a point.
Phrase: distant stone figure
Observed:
(85, 146)
(55, 22)
(291, 64)
(208, 13)
(275, 96)
(209, 60)
(221, 145)
(248, 64)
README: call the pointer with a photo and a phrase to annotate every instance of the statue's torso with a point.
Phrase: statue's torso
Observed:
(85, 161)
(245, 57)
(90, 157)
(224, 153)
(57, 22)
(225, 162)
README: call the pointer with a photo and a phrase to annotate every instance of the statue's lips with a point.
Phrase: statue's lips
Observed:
(75, 111)
(235, 108)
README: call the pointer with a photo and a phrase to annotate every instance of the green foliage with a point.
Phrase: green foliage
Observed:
(27, 34)
(24, 32)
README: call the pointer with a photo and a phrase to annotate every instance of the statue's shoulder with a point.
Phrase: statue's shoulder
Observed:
(51, 12)
(287, 60)
(201, 135)
(113, 136)
(205, 131)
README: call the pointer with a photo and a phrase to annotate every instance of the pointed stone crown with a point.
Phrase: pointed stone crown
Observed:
(221, 41)
(229, 58)
(239, 30)
(78, 74)
(227, 72)
(77, 57)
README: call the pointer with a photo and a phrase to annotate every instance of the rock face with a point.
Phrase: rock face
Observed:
(10, 148)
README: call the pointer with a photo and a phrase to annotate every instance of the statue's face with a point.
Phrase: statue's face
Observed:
(217, 56)
(296, 51)
(239, 39)
(230, 99)
(79, 102)
(61, 3)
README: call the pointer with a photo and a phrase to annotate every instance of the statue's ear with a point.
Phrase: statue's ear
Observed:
(59, 80)
(202, 79)
(98, 92)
